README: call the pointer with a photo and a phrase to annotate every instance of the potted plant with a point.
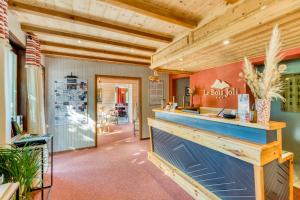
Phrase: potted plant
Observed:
(266, 85)
(20, 165)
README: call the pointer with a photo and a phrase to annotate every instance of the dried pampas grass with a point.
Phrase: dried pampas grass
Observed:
(268, 84)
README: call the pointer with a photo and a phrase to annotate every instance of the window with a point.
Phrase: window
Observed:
(12, 61)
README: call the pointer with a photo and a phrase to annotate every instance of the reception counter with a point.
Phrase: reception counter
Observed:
(216, 158)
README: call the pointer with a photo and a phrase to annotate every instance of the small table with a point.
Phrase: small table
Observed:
(8, 190)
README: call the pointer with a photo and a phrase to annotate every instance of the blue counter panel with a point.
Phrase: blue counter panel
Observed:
(241, 132)
(225, 176)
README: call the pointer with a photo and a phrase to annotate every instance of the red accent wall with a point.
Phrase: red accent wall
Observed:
(229, 73)
(204, 79)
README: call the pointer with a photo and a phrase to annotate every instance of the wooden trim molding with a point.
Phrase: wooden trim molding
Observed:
(94, 58)
(104, 24)
(63, 33)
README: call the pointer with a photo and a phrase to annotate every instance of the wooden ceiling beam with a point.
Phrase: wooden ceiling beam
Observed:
(103, 24)
(63, 33)
(154, 11)
(231, 1)
(94, 58)
(90, 49)
(170, 71)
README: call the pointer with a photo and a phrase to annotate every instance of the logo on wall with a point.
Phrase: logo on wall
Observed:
(221, 90)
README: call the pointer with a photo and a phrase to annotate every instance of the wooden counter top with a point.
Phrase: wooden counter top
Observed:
(272, 125)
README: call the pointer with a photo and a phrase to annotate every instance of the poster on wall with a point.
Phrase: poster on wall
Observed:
(156, 92)
(71, 97)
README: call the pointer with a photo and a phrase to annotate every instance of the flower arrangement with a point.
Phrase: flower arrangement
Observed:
(268, 84)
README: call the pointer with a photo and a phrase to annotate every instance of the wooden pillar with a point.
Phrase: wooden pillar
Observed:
(259, 182)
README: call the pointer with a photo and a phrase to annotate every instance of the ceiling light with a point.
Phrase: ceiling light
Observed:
(131, 50)
(226, 42)
(79, 41)
(180, 59)
(263, 7)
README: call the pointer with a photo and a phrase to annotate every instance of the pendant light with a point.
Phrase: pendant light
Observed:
(155, 77)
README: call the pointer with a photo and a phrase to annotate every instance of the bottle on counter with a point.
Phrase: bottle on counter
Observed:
(253, 114)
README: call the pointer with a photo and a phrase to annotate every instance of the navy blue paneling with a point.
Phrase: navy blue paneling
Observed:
(225, 176)
(246, 133)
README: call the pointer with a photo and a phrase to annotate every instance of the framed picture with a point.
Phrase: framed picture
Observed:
(187, 91)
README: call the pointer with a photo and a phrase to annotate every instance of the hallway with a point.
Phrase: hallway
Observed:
(117, 170)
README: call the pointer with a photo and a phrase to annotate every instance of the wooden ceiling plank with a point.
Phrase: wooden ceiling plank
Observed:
(246, 44)
(233, 57)
(90, 49)
(95, 58)
(104, 24)
(63, 33)
(236, 21)
(150, 10)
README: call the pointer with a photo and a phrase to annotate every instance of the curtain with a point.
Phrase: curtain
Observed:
(5, 121)
(35, 90)
(35, 86)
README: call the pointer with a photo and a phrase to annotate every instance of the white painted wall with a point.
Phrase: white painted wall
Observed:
(66, 138)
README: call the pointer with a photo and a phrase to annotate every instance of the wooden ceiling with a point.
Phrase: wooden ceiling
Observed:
(122, 31)
(241, 31)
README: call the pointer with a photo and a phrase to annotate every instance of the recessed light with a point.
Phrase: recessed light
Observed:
(79, 41)
(263, 7)
(180, 59)
(226, 42)
(131, 50)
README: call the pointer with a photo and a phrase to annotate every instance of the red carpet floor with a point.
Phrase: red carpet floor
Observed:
(117, 170)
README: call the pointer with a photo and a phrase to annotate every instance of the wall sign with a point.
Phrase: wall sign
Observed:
(221, 90)
(70, 101)
(156, 92)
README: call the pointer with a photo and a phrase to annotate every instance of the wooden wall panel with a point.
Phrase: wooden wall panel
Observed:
(67, 137)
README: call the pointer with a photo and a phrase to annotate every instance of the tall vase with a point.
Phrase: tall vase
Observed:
(263, 108)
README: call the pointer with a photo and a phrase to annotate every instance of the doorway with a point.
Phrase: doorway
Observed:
(182, 95)
(118, 104)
